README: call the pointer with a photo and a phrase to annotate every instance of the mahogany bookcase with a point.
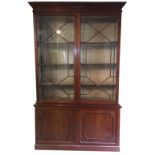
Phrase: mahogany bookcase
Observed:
(77, 52)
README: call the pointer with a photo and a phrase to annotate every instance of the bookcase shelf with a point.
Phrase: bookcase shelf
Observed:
(106, 65)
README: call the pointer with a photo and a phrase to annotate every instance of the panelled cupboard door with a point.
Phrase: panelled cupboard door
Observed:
(55, 125)
(99, 127)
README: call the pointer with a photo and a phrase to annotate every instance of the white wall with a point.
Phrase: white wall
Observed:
(17, 80)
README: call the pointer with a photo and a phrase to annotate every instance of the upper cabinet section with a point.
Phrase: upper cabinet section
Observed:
(77, 46)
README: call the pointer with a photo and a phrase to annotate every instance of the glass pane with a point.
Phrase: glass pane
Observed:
(98, 57)
(55, 35)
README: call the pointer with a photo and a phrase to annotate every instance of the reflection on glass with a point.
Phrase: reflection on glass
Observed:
(55, 46)
(98, 57)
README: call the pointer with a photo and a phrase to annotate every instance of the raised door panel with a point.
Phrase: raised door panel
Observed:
(55, 126)
(98, 127)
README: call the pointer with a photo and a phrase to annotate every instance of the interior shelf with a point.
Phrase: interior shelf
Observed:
(106, 44)
(55, 43)
(82, 85)
(98, 20)
(105, 65)
(58, 65)
(102, 44)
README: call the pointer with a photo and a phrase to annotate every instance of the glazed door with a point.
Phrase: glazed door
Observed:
(55, 61)
(98, 58)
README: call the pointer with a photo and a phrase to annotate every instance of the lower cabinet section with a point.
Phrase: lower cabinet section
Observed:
(77, 129)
